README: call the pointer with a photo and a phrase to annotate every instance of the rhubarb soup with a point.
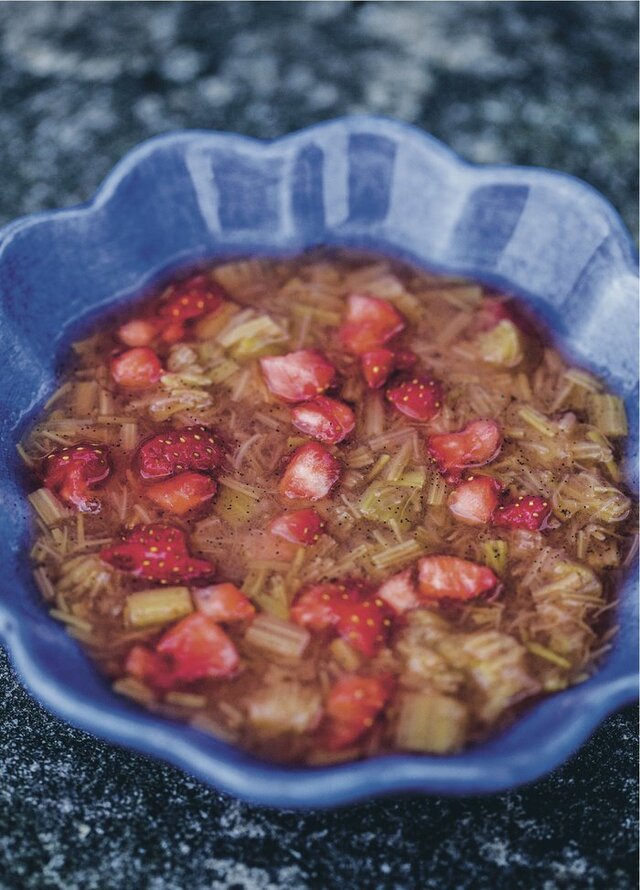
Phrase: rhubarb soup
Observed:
(331, 506)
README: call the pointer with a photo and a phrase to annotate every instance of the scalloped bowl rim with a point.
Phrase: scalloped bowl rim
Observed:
(232, 771)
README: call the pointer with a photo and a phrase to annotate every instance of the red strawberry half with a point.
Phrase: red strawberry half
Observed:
(297, 376)
(528, 512)
(351, 607)
(190, 448)
(352, 705)
(399, 592)
(301, 527)
(137, 368)
(474, 500)
(370, 322)
(376, 366)
(328, 420)
(419, 398)
(157, 552)
(73, 471)
(197, 648)
(223, 602)
(192, 298)
(310, 474)
(475, 445)
(449, 577)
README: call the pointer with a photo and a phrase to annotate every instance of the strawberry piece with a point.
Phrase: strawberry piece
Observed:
(138, 332)
(137, 368)
(302, 527)
(297, 376)
(474, 500)
(528, 512)
(475, 445)
(223, 602)
(157, 552)
(198, 648)
(376, 366)
(173, 332)
(190, 448)
(370, 322)
(328, 420)
(399, 592)
(146, 665)
(448, 577)
(352, 705)
(359, 617)
(192, 298)
(182, 493)
(311, 473)
(71, 472)
(314, 607)
(419, 398)
(404, 359)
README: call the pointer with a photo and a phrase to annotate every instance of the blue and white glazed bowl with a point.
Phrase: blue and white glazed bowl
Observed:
(362, 182)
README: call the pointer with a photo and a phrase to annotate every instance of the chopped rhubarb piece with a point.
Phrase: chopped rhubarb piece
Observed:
(310, 474)
(351, 606)
(302, 527)
(399, 592)
(376, 366)
(190, 448)
(182, 493)
(419, 398)
(73, 471)
(298, 376)
(328, 420)
(192, 298)
(223, 602)
(528, 512)
(137, 368)
(370, 322)
(138, 332)
(448, 577)
(157, 552)
(198, 648)
(351, 708)
(475, 445)
(146, 665)
(474, 500)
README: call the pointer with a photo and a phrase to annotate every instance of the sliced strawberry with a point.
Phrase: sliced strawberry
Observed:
(358, 615)
(297, 376)
(137, 368)
(190, 448)
(376, 366)
(369, 322)
(399, 592)
(182, 493)
(173, 332)
(328, 420)
(223, 602)
(404, 359)
(475, 445)
(448, 577)
(352, 705)
(73, 471)
(301, 527)
(138, 332)
(157, 552)
(192, 298)
(529, 512)
(474, 500)
(314, 607)
(198, 648)
(146, 665)
(311, 473)
(419, 398)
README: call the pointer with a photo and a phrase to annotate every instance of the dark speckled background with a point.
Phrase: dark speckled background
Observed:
(551, 84)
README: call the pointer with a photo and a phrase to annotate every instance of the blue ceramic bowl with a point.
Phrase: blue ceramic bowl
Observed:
(363, 182)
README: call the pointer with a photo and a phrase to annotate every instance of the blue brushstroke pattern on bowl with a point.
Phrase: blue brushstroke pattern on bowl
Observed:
(362, 182)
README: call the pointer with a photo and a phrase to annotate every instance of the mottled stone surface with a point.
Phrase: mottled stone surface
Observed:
(551, 84)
